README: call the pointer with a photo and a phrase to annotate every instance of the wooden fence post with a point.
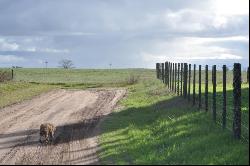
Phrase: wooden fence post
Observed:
(237, 100)
(181, 79)
(175, 78)
(157, 70)
(224, 113)
(170, 76)
(166, 73)
(194, 82)
(248, 75)
(185, 80)
(214, 92)
(162, 72)
(199, 86)
(189, 81)
(206, 88)
(178, 80)
(12, 74)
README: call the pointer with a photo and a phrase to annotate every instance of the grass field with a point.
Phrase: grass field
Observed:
(87, 76)
(31, 82)
(154, 126)
(158, 128)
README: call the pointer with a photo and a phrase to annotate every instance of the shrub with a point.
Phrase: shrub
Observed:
(132, 79)
(5, 76)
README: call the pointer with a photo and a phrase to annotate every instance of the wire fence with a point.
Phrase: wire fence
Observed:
(223, 91)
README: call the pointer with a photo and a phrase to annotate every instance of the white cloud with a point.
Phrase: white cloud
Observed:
(48, 50)
(11, 59)
(40, 61)
(8, 46)
(154, 58)
(16, 45)
(193, 48)
(51, 50)
(220, 21)
(30, 39)
(30, 49)
(226, 10)
(189, 21)
(231, 7)
(222, 56)
(78, 34)
(186, 20)
(207, 40)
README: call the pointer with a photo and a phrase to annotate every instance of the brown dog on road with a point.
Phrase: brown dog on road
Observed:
(47, 132)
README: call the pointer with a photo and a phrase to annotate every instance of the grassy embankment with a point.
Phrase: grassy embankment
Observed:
(158, 128)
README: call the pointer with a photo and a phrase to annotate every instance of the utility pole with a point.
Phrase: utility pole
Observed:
(110, 65)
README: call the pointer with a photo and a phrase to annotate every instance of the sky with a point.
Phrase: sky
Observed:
(124, 33)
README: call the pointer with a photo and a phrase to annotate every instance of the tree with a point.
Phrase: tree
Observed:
(66, 64)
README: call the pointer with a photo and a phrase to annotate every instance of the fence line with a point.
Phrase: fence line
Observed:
(177, 77)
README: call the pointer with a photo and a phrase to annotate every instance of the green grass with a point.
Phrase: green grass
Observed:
(5, 75)
(219, 104)
(14, 92)
(154, 127)
(158, 128)
(219, 96)
(31, 82)
(100, 77)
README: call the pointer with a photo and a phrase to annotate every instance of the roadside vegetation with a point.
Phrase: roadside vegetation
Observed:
(5, 75)
(14, 92)
(155, 127)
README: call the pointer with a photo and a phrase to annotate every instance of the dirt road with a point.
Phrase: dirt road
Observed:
(74, 113)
